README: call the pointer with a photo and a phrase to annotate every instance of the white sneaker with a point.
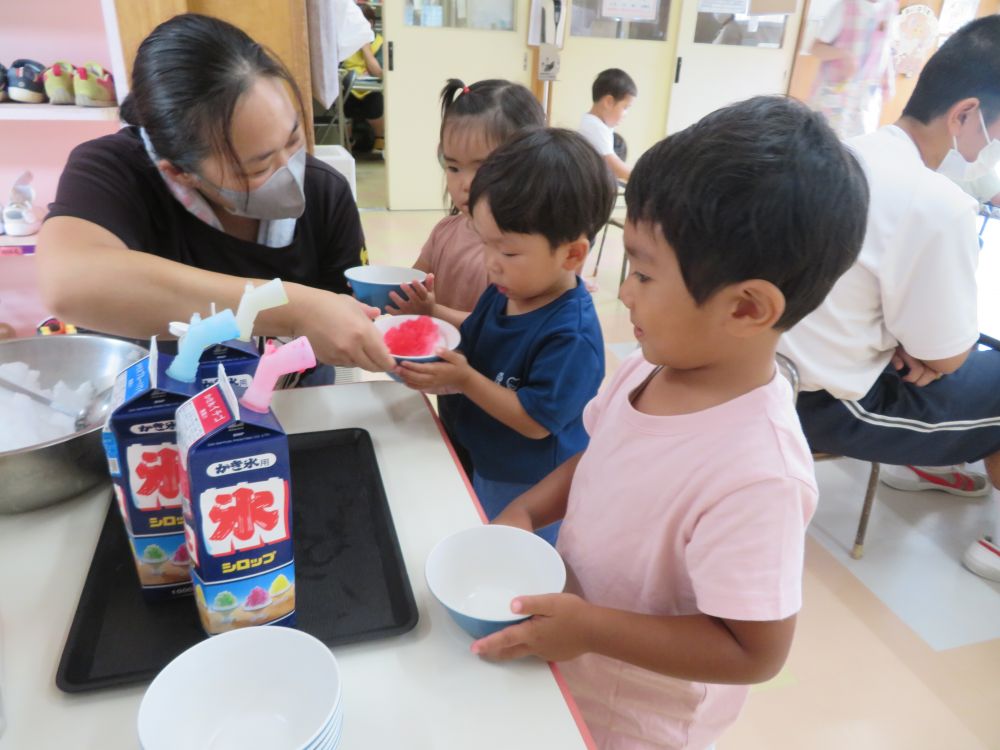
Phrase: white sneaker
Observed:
(983, 558)
(957, 480)
(19, 217)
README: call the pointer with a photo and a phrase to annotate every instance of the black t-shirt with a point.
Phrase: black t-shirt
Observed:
(112, 182)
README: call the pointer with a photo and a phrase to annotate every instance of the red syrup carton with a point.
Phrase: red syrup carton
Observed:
(237, 500)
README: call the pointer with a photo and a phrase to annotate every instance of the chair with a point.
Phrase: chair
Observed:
(335, 115)
(788, 369)
(612, 222)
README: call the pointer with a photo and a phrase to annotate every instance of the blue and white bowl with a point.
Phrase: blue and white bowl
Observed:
(448, 337)
(475, 573)
(372, 284)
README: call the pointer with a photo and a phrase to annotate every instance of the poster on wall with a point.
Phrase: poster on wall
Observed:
(913, 38)
(954, 15)
(630, 10)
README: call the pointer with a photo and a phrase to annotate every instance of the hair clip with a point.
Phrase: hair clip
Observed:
(465, 89)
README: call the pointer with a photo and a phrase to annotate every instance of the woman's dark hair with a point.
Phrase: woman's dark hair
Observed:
(762, 189)
(500, 107)
(546, 181)
(188, 76)
(966, 65)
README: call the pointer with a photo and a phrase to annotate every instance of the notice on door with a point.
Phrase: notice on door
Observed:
(630, 10)
(728, 7)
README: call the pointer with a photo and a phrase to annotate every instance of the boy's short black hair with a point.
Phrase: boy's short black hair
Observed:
(546, 181)
(762, 189)
(966, 65)
(615, 82)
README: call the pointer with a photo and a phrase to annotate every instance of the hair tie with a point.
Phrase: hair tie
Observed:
(465, 89)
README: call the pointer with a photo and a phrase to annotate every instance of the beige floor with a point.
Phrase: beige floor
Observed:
(858, 676)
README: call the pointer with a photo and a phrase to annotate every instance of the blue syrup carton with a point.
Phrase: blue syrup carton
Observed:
(141, 446)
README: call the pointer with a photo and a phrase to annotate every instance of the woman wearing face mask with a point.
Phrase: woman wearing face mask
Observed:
(209, 186)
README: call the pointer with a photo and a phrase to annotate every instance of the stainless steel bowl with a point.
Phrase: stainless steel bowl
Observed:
(57, 470)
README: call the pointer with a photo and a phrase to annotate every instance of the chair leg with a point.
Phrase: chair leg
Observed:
(859, 540)
(600, 250)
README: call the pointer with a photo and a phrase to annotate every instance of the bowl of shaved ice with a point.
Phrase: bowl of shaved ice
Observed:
(44, 459)
(416, 338)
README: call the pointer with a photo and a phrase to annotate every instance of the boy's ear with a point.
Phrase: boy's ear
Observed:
(576, 254)
(958, 112)
(753, 306)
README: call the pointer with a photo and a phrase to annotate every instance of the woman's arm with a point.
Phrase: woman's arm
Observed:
(89, 277)
(825, 51)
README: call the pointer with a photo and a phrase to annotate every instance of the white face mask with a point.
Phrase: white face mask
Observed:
(280, 197)
(979, 178)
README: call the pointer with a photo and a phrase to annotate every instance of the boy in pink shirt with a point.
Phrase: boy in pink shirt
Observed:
(684, 520)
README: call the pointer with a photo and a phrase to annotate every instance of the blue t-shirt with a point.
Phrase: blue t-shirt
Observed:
(554, 358)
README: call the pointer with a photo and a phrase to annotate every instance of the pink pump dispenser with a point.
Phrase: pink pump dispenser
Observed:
(295, 356)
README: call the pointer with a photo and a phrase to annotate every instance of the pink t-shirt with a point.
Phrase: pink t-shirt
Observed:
(702, 512)
(454, 254)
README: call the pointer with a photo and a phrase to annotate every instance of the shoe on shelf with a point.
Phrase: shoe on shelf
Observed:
(19, 216)
(956, 480)
(93, 86)
(24, 81)
(58, 81)
(983, 558)
(3, 83)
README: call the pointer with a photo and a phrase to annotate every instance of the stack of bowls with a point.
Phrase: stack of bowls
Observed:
(266, 688)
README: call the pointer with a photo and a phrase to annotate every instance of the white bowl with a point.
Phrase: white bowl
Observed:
(448, 335)
(475, 573)
(266, 687)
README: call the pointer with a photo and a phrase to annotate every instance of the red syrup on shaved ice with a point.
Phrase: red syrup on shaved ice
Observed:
(413, 338)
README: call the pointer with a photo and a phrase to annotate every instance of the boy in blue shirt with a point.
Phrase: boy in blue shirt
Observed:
(532, 351)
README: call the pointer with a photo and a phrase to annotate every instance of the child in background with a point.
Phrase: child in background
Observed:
(613, 93)
(532, 352)
(685, 517)
(475, 120)
(367, 61)
(856, 72)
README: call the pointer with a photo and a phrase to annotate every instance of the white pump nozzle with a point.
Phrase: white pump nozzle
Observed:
(256, 299)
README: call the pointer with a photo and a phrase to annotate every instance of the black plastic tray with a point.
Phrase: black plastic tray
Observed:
(351, 583)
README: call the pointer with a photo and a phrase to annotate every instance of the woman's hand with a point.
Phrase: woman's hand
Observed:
(339, 328)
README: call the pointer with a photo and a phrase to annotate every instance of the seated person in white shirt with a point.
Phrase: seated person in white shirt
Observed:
(889, 366)
(613, 93)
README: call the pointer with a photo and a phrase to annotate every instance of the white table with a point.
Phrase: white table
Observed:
(421, 690)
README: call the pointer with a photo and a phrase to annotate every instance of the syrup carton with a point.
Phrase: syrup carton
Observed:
(141, 446)
(237, 511)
